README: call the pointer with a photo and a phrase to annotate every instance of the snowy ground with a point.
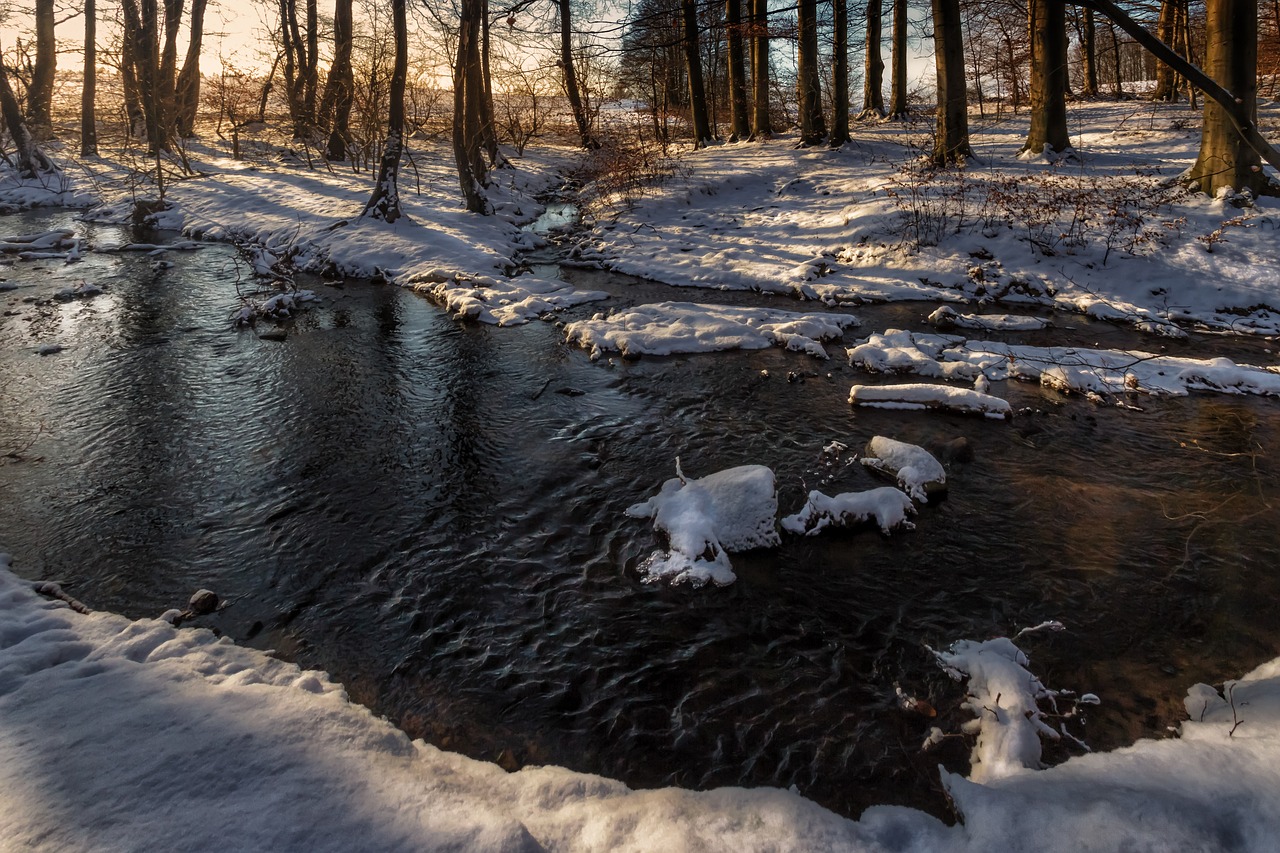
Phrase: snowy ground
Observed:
(120, 735)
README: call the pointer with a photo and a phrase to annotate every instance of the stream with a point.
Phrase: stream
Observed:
(433, 512)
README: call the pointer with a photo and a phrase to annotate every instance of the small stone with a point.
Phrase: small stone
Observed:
(277, 335)
(204, 601)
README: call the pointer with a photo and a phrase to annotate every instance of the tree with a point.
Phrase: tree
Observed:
(88, 116)
(813, 128)
(761, 124)
(898, 87)
(1047, 24)
(31, 160)
(384, 203)
(468, 92)
(1088, 55)
(951, 138)
(187, 96)
(40, 89)
(142, 56)
(571, 89)
(873, 78)
(1227, 161)
(839, 74)
(739, 121)
(339, 88)
(693, 61)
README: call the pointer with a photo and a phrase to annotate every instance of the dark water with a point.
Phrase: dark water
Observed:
(417, 507)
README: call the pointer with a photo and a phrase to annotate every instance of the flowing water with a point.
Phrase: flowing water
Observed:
(433, 512)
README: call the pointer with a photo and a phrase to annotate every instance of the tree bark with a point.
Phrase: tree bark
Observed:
(384, 203)
(813, 128)
(839, 74)
(188, 89)
(339, 89)
(761, 124)
(40, 90)
(898, 88)
(951, 139)
(873, 76)
(141, 26)
(88, 114)
(739, 120)
(1048, 27)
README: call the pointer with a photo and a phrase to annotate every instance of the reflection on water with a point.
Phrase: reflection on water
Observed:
(407, 502)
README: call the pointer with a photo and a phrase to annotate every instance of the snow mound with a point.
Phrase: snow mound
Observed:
(1004, 698)
(925, 396)
(730, 510)
(947, 317)
(666, 328)
(1066, 369)
(917, 472)
(504, 302)
(887, 506)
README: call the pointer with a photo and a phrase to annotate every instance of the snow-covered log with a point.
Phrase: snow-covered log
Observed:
(888, 507)
(926, 396)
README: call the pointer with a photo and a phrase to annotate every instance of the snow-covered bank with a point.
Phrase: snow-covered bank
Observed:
(121, 735)
(1107, 235)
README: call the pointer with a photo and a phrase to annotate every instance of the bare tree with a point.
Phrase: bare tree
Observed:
(739, 121)
(813, 128)
(761, 124)
(384, 203)
(40, 89)
(339, 89)
(898, 88)
(693, 64)
(951, 138)
(571, 90)
(31, 160)
(839, 73)
(88, 115)
(468, 91)
(1047, 24)
(187, 96)
(873, 76)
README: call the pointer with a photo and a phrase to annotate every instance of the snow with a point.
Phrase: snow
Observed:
(915, 469)
(946, 317)
(117, 733)
(888, 507)
(686, 327)
(1076, 369)
(730, 510)
(926, 396)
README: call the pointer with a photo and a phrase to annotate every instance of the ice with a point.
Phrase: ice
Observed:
(703, 519)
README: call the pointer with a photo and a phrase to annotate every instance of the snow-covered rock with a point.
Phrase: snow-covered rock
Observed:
(730, 510)
(888, 507)
(918, 474)
(926, 396)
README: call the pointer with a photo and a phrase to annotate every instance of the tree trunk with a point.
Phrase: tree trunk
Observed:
(40, 90)
(1048, 28)
(873, 77)
(761, 124)
(339, 90)
(951, 140)
(839, 74)
(31, 160)
(571, 89)
(488, 124)
(1165, 89)
(1089, 53)
(88, 114)
(1226, 161)
(466, 137)
(188, 91)
(739, 121)
(311, 65)
(898, 88)
(1118, 91)
(140, 26)
(384, 204)
(693, 67)
(813, 128)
